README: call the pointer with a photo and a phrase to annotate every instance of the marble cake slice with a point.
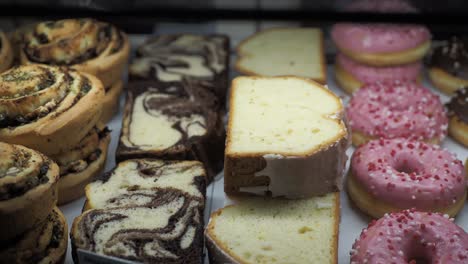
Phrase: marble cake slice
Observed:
(150, 211)
(174, 58)
(173, 121)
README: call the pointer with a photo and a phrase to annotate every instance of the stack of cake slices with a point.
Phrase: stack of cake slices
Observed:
(285, 157)
(177, 84)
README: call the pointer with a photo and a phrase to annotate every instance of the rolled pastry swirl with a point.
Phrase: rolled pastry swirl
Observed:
(28, 189)
(6, 53)
(48, 108)
(45, 244)
(87, 45)
(79, 165)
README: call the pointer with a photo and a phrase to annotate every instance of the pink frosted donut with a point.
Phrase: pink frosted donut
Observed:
(408, 236)
(396, 109)
(378, 38)
(405, 174)
(369, 74)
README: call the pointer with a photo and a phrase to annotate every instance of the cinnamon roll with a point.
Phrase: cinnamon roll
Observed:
(145, 210)
(28, 189)
(6, 52)
(46, 244)
(86, 45)
(79, 165)
(48, 108)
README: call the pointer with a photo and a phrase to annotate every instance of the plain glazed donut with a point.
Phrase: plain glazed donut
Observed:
(410, 236)
(396, 109)
(382, 44)
(396, 174)
(351, 75)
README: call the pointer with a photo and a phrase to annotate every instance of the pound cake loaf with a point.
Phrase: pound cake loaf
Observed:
(28, 189)
(175, 58)
(286, 137)
(45, 244)
(264, 230)
(6, 53)
(284, 51)
(145, 210)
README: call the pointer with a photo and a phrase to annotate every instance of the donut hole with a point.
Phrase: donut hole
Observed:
(407, 164)
(419, 260)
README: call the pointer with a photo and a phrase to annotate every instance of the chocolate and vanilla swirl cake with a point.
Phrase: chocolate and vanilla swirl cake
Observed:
(28, 189)
(6, 53)
(173, 58)
(145, 210)
(178, 84)
(45, 244)
(47, 108)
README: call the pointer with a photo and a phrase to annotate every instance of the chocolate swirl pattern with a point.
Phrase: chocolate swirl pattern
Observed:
(188, 125)
(173, 58)
(86, 45)
(46, 244)
(28, 189)
(6, 53)
(158, 220)
(48, 108)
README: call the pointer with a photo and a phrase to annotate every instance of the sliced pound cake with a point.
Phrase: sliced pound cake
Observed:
(264, 230)
(145, 210)
(284, 51)
(286, 137)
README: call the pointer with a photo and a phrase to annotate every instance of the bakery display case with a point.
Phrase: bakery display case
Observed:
(216, 131)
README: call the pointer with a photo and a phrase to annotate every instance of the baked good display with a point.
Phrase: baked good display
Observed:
(28, 189)
(81, 164)
(382, 44)
(351, 75)
(6, 53)
(396, 109)
(178, 83)
(178, 58)
(145, 210)
(284, 51)
(111, 102)
(410, 236)
(284, 142)
(248, 232)
(46, 108)
(396, 174)
(458, 116)
(448, 65)
(46, 244)
(86, 45)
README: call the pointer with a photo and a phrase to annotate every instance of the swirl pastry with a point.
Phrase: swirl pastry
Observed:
(28, 189)
(157, 219)
(86, 45)
(110, 104)
(173, 58)
(46, 244)
(6, 53)
(48, 108)
(79, 165)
